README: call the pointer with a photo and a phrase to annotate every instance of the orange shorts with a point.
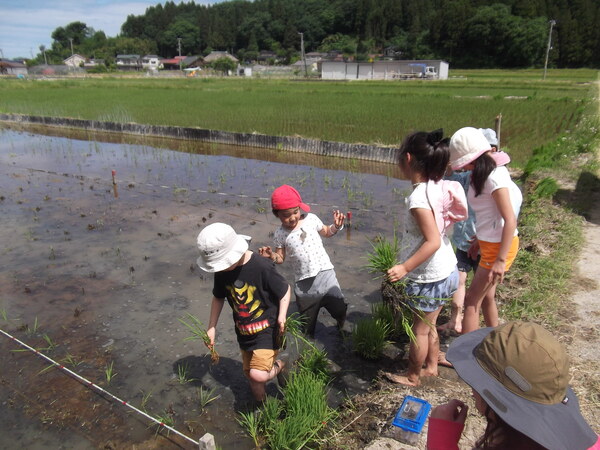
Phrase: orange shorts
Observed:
(489, 253)
(260, 359)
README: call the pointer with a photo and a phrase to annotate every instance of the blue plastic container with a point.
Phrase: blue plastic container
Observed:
(412, 414)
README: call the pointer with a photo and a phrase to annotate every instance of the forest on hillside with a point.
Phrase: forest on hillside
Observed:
(466, 33)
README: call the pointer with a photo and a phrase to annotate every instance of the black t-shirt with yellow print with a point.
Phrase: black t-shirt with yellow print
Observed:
(253, 291)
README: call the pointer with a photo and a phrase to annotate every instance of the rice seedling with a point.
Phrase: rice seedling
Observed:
(51, 345)
(3, 314)
(71, 360)
(369, 337)
(315, 361)
(146, 396)
(196, 327)
(32, 330)
(383, 312)
(206, 396)
(109, 372)
(383, 256)
(294, 325)
(250, 422)
(166, 418)
(183, 374)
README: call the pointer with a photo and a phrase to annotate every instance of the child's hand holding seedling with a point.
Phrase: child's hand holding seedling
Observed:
(198, 332)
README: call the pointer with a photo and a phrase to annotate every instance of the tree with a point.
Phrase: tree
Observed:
(186, 31)
(224, 65)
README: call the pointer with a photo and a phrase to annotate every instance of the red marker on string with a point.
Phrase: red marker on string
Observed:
(114, 173)
(349, 216)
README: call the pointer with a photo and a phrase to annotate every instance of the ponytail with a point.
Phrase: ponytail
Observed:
(430, 153)
(484, 165)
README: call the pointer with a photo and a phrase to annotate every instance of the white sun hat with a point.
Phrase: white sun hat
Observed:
(220, 247)
(466, 145)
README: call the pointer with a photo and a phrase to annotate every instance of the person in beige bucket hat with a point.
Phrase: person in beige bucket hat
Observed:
(259, 298)
(519, 374)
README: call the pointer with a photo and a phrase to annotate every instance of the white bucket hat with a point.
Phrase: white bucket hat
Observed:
(490, 135)
(220, 247)
(466, 145)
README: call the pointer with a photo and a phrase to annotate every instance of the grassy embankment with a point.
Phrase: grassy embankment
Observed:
(555, 119)
(534, 112)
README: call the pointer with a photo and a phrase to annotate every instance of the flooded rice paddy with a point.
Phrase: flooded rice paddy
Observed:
(97, 275)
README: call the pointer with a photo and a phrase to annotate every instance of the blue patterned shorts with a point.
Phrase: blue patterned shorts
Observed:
(428, 297)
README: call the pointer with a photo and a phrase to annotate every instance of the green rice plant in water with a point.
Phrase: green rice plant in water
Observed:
(315, 361)
(384, 313)
(206, 396)
(370, 337)
(306, 412)
(145, 399)
(183, 374)
(165, 419)
(250, 422)
(109, 372)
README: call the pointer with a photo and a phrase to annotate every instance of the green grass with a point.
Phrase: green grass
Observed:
(534, 111)
(551, 224)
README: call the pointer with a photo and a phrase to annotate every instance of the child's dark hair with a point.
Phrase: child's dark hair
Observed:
(484, 165)
(430, 153)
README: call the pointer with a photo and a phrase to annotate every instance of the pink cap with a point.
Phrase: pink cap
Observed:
(286, 197)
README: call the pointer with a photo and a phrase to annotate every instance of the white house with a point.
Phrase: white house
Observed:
(151, 62)
(385, 70)
(74, 60)
(10, 67)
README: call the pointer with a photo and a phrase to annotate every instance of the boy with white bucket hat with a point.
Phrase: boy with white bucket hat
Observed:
(258, 295)
(519, 374)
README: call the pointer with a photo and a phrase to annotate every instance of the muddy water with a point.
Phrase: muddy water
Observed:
(98, 274)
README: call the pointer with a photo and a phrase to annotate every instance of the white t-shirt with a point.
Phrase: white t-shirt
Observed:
(304, 247)
(439, 265)
(488, 221)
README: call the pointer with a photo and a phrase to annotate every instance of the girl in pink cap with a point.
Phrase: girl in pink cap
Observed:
(299, 239)
(496, 201)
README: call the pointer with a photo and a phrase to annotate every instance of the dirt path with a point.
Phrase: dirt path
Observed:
(585, 345)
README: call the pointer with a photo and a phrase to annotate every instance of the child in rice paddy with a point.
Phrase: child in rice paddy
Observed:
(496, 200)
(259, 298)
(299, 238)
(428, 261)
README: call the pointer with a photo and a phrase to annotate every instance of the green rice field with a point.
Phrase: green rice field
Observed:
(534, 111)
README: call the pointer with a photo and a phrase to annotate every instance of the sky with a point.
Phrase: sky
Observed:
(27, 24)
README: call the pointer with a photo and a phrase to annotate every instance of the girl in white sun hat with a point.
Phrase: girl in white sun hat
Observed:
(496, 201)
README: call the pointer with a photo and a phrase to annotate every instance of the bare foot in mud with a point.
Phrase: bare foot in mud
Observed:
(401, 379)
(442, 361)
(450, 328)
(429, 372)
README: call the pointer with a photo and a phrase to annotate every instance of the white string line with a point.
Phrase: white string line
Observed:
(90, 384)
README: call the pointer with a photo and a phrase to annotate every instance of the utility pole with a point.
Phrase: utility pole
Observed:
(179, 48)
(552, 23)
(71, 40)
(302, 54)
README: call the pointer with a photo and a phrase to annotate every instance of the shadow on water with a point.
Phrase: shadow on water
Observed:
(98, 282)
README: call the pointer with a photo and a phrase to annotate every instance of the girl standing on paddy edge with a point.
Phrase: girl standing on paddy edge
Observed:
(429, 263)
(496, 200)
